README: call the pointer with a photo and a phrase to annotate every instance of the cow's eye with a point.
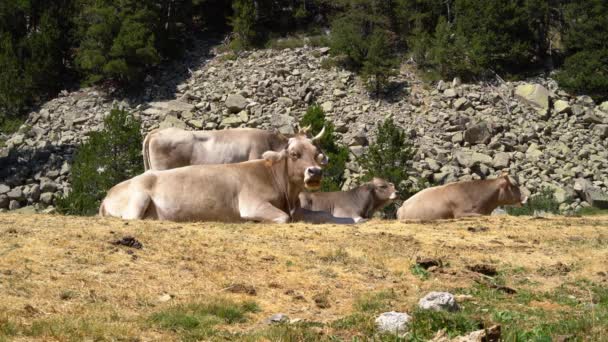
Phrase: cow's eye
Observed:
(294, 155)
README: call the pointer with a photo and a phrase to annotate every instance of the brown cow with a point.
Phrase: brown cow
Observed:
(357, 204)
(258, 190)
(461, 199)
(169, 148)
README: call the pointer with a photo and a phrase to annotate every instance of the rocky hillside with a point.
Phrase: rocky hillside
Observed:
(533, 130)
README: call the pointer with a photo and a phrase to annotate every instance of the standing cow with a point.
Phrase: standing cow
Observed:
(357, 204)
(461, 199)
(258, 190)
(169, 148)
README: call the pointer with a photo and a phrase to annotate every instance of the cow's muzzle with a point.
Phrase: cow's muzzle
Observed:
(313, 177)
(393, 196)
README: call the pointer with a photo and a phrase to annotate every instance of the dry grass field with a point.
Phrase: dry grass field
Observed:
(64, 279)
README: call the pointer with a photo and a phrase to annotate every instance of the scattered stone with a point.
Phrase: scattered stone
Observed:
(236, 103)
(128, 241)
(277, 319)
(165, 298)
(450, 93)
(601, 131)
(478, 134)
(14, 205)
(535, 95)
(16, 194)
(4, 201)
(438, 301)
(562, 106)
(503, 288)
(327, 106)
(478, 229)
(596, 198)
(491, 334)
(4, 189)
(462, 104)
(393, 323)
(501, 160)
(47, 198)
(321, 300)
(172, 121)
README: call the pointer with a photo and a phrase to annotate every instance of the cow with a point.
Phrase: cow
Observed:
(258, 190)
(462, 199)
(169, 148)
(357, 204)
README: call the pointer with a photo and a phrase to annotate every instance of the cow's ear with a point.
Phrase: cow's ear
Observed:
(273, 156)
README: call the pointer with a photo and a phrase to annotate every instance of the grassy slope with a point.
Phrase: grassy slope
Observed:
(61, 278)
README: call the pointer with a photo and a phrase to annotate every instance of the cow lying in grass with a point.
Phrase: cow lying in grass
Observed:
(462, 199)
(357, 204)
(258, 190)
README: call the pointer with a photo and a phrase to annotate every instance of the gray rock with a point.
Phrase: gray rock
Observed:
(14, 205)
(357, 150)
(4, 189)
(592, 118)
(327, 106)
(164, 108)
(470, 159)
(478, 134)
(393, 323)
(501, 160)
(47, 186)
(533, 152)
(34, 192)
(462, 104)
(562, 106)
(16, 194)
(285, 101)
(603, 107)
(231, 121)
(601, 131)
(236, 103)
(438, 301)
(535, 95)
(47, 198)
(277, 318)
(597, 198)
(4, 201)
(172, 121)
(66, 168)
(284, 123)
(450, 93)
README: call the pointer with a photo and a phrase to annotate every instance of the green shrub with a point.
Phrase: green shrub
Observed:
(106, 159)
(243, 24)
(388, 157)
(379, 63)
(544, 201)
(333, 173)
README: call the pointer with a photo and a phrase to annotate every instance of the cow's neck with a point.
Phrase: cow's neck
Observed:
(364, 201)
(288, 192)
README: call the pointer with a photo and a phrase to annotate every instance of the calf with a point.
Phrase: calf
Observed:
(356, 204)
(461, 199)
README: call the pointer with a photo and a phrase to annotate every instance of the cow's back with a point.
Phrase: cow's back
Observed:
(429, 204)
(171, 148)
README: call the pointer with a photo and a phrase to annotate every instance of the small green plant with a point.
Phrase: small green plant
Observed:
(375, 302)
(544, 201)
(107, 158)
(333, 173)
(389, 157)
(419, 271)
(197, 320)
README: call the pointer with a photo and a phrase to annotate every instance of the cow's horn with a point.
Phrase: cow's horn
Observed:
(320, 135)
(305, 129)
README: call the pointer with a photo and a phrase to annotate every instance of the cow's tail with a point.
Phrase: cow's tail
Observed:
(146, 149)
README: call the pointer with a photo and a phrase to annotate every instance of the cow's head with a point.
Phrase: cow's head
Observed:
(383, 191)
(304, 159)
(510, 192)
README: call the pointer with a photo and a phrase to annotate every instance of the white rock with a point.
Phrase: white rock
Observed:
(438, 301)
(393, 323)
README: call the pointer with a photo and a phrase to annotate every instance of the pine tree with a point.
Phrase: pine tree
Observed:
(586, 41)
(388, 157)
(379, 63)
(243, 24)
(13, 89)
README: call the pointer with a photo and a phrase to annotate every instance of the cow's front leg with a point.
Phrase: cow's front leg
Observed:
(255, 211)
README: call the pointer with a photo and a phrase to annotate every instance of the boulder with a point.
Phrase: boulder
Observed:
(535, 95)
(284, 123)
(230, 121)
(285, 101)
(478, 134)
(438, 301)
(596, 198)
(470, 159)
(393, 323)
(562, 106)
(601, 131)
(236, 103)
(4, 189)
(16, 194)
(14, 205)
(172, 121)
(47, 198)
(47, 185)
(603, 107)
(327, 106)
(462, 104)
(501, 160)
(450, 93)
(4, 201)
